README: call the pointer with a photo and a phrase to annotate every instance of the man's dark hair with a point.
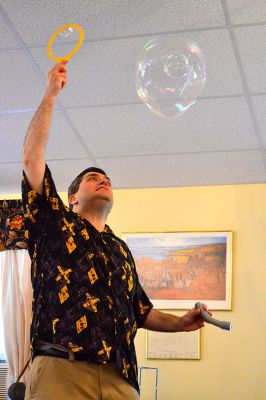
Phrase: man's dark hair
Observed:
(74, 187)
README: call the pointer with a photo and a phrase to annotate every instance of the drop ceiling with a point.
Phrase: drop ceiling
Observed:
(99, 119)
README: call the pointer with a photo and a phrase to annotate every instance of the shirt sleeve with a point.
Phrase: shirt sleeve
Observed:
(36, 206)
(142, 305)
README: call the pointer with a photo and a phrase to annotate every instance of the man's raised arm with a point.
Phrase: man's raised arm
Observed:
(37, 136)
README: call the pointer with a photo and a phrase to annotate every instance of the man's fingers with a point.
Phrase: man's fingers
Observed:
(206, 309)
(196, 310)
(61, 63)
(62, 75)
(64, 81)
(58, 74)
(61, 67)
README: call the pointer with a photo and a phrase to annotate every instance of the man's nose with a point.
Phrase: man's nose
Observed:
(103, 181)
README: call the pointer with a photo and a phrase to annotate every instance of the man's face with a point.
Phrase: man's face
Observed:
(94, 187)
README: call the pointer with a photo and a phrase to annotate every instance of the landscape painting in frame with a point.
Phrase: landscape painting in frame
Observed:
(178, 269)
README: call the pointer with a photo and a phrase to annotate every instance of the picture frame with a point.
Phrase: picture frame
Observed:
(177, 269)
(173, 346)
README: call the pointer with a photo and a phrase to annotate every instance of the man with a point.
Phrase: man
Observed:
(88, 302)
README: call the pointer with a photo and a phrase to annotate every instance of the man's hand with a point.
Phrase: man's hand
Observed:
(192, 320)
(57, 79)
(162, 322)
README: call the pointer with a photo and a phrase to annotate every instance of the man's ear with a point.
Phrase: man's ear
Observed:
(73, 199)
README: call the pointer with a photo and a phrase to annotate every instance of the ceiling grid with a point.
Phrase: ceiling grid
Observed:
(99, 119)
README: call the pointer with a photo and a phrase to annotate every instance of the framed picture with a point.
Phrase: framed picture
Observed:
(177, 269)
(173, 346)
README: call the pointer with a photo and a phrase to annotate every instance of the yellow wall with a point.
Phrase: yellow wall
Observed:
(232, 364)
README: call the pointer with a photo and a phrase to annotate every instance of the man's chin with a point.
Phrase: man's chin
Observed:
(105, 198)
(103, 194)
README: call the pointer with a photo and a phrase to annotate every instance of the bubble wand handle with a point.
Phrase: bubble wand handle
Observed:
(210, 320)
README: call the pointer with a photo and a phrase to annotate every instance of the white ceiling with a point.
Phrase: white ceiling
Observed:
(99, 119)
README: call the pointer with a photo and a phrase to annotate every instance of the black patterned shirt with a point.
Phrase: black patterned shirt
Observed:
(86, 292)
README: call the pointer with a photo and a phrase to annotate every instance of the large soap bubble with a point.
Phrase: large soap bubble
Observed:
(170, 76)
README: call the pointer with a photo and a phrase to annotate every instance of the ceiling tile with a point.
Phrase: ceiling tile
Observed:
(7, 39)
(211, 125)
(145, 16)
(252, 47)
(259, 103)
(247, 11)
(62, 142)
(185, 169)
(21, 85)
(108, 18)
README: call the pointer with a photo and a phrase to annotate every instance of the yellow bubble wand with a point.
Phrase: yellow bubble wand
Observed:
(78, 45)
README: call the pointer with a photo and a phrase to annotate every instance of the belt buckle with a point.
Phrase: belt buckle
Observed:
(71, 356)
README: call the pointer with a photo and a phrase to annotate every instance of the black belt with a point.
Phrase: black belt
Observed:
(52, 352)
(61, 354)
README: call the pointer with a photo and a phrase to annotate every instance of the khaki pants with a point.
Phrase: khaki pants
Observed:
(54, 378)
